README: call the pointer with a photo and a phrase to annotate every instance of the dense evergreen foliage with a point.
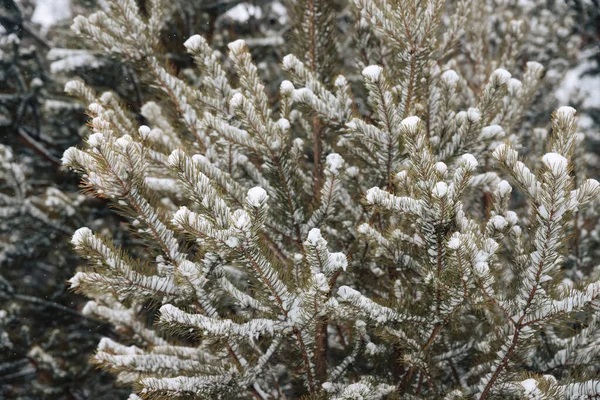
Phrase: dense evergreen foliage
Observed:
(398, 208)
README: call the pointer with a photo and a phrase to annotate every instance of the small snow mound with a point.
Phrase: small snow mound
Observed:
(492, 131)
(123, 141)
(284, 124)
(470, 160)
(344, 292)
(565, 112)
(72, 87)
(314, 236)
(530, 385)
(450, 77)
(555, 162)
(95, 139)
(504, 188)
(498, 222)
(370, 196)
(511, 217)
(454, 242)
(236, 100)
(288, 61)
(482, 268)
(232, 242)
(340, 81)
(535, 67)
(440, 189)
(257, 196)
(501, 76)
(144, 131)
(287, 87)
(80, 235)
(440, 167)
(237, 46)
(410, 122)
(302, 93)
(334, 163)
(373, 72)
(328, 387)
(473, 114)
(194, 42)
(352, 172)
(514, 85)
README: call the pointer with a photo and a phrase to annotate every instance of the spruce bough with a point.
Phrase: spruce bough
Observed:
(298, 246)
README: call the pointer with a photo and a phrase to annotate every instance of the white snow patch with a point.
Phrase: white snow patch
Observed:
(373, 72)
(194, 42)
(441, 168)
(410, 122)
(370, 196)
(440, 189)
(504, 188)
(236, 100)
(242, 220)
(514, 85)
(470, 160)
(482, 268)
(340, 81)
(511, 217)
(535, 67)
(555, 162)
(237, 46)
(352, 172)
(321, 282)
(565, 112)
(144, 131)
(344, 292)
(473, 114)
(300, 94)
(593, 185)
(328, 387)
(314, 236)
(286, 87)
(232, 241)
(530, 385)
(73, 86)
(334, 163)
(95, 139)
(257, 196)
(450, 77)
(498, 222)
(338, 260)
(80, 235)
(284, 124)
(123, 141)
(501, 75)
(491, 131)
(454, 242)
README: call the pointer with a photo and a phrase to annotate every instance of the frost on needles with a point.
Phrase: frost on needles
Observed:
(298, 246)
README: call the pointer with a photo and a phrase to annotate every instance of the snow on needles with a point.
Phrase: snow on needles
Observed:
(334, 163)
(257, 196)
(410, 122)
(555, 163)
(373, 72)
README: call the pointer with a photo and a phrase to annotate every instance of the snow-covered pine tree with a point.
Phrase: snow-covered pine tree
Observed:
(391, 258)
